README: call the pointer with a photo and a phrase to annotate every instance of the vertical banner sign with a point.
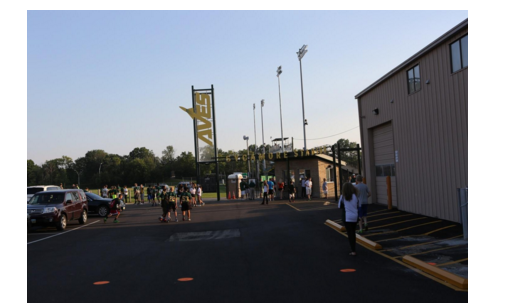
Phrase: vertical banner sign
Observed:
(204, 118)
(201, 112)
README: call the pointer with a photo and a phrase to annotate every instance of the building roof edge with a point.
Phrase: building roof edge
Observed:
(430, 46)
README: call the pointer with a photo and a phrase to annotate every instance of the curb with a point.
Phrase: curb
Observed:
(335, 225)
(448, 277)
(368, 243)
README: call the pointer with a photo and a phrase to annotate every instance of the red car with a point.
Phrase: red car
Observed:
(57, 207)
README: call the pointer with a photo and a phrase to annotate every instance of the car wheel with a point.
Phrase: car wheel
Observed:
(84, 217)
(61, 225)
(103, 210)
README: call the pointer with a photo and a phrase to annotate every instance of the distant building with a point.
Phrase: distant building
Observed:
(414, 128)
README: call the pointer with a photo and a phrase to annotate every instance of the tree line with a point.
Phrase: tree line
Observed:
(141, 165)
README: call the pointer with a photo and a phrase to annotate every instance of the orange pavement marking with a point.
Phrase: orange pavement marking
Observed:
(101, 283)
(432, 263)
(185, 279)
(347, 270)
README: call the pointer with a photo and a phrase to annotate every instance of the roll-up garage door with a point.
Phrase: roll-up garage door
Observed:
(384, 162)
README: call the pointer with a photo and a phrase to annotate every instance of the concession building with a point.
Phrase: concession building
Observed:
(414, 129)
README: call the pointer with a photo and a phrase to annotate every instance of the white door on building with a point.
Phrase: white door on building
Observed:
(384, 163)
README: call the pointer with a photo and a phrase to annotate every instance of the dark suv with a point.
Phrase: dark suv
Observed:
(57, 207)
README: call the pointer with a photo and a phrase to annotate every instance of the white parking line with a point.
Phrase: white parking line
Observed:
(62, 232)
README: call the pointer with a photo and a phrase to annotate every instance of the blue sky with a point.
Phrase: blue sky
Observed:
(114, 80)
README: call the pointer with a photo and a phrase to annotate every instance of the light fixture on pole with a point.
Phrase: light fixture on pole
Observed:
(278, 73)
(256, 161)
(301, 52)
(246, 138)
(263, 139)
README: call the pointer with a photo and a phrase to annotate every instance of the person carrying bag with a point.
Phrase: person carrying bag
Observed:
(349, 205)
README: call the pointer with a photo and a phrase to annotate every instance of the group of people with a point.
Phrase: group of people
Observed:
(188, 197)
(115, 191)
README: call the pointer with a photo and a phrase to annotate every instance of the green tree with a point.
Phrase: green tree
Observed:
(349, 157)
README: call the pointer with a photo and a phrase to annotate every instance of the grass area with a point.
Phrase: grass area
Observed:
(214, 194)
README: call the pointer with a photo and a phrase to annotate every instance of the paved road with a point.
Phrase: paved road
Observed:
(237, 251)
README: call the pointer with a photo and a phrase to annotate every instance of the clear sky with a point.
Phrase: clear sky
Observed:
(114, 80)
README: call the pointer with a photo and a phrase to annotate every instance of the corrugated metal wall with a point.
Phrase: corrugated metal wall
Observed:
(383, 156)
(430, 133)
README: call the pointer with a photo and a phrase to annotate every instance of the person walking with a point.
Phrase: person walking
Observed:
(165, 204)
(105, 191)
(309, 188)
(252, 184)
(270, 191)
(281, 189)
(142, 193)
(265, 191)
(325, 189)
(199, 191)
(136, 194)
(291, 190)
(193, 194)
(349, 204)
(179, 192)
(243, 188)
(172, 203)
(364, 194)
(61, 186)
(185, 201)
(125, 194)
(115, 209)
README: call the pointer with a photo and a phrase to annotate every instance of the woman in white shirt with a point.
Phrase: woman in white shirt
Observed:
(125, 194)
(349, 204)
(199, 196)
(193, 194)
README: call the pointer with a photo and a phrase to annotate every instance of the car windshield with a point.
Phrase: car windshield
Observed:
(93, 196)
(33, 190)
(47, 198)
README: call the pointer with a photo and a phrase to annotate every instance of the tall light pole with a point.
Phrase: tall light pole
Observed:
(301, 52)
(263, 140)
(278, 73)
(246, 138)
(256, 161)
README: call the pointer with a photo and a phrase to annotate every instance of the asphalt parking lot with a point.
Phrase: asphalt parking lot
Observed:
(231, 251)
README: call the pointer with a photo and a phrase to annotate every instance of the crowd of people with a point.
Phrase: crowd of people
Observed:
(157, 195)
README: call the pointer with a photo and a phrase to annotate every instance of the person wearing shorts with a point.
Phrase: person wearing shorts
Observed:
(363, 195)
(201, 203)
(193, 194)
(292, 190)
(309, 186)
(115, 209)
(185, 200)
(172, 203)
(270, 184)
(243, 187)
(142, 192)
(325, 189)
(165, 204)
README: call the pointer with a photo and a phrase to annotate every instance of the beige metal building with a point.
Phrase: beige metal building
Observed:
(414, 128)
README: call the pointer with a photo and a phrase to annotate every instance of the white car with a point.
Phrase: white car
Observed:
(31, 190)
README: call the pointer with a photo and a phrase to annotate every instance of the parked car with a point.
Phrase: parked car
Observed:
(99, 205)
(28, 223)
(57, 207)
(31, 190)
